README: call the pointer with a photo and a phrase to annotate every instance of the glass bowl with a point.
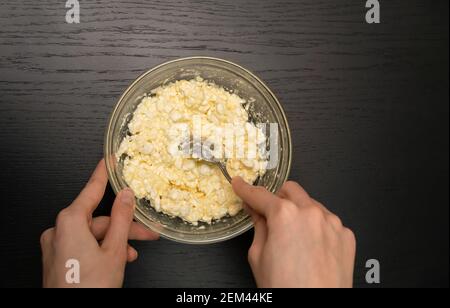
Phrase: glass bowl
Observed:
(264, 108)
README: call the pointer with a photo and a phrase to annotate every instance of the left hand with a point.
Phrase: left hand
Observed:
(100, 245)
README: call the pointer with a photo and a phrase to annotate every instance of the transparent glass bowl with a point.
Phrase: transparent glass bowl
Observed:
(264, 109)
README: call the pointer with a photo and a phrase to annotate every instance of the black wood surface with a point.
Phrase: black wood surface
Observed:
(368, 107)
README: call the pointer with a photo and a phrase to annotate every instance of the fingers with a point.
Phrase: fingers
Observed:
(116, 237)
(46, 238)
(137, 231)
(334, 221)
(91, 195)
(295, 193)
(317, 203)
(260, 236)
(132, 254)
(257, 198)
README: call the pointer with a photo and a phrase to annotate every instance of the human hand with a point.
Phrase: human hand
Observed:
(297, 242)
(100, 245)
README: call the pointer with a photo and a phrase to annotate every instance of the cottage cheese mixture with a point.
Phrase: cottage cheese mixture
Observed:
(176, 184)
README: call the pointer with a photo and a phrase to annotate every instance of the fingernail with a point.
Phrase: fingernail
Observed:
(127, 197)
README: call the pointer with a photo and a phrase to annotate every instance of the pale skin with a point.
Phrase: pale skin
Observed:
(297, 241)
(99, 244)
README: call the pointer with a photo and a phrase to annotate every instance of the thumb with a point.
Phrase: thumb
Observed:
(116, 238)
(257, 198)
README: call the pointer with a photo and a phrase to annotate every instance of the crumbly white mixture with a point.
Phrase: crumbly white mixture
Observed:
(175, 184)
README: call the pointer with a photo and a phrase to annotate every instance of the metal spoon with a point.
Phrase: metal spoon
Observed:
(207, 157)
(219, 163)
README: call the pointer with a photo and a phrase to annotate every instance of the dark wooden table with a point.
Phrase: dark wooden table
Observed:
(368, 106)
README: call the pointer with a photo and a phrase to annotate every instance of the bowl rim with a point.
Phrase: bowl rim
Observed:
(138, 216)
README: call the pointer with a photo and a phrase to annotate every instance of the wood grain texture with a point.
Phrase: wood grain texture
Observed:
(368, 107)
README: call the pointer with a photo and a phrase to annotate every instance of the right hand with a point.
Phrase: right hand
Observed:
(298, 242)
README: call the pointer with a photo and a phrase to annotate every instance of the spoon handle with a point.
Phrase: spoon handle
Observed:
(224, 170)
